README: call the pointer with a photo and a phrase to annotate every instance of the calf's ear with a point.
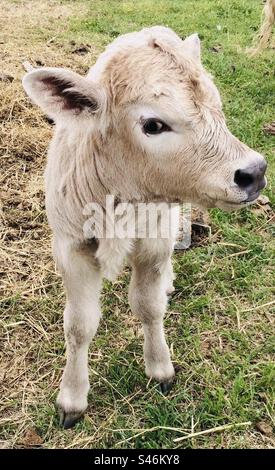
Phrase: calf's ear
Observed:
(192, 46)
(62, 93)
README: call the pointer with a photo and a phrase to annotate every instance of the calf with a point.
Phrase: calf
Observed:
(145, 125)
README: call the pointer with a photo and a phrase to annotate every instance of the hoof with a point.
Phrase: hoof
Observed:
(68, 420)
(165, 387)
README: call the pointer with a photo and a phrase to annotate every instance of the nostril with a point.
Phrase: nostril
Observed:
(243, 179)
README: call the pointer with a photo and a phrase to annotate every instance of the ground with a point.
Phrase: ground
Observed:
(220, 320)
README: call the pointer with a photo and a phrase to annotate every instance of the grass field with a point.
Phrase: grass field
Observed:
(220, 323)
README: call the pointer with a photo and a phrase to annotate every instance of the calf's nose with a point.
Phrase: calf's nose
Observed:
(252, 178)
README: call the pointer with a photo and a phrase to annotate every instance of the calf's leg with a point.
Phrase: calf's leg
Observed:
(151, 281)
(82, 282)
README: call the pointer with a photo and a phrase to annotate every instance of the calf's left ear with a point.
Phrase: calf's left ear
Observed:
(192, 46)
(63, 93)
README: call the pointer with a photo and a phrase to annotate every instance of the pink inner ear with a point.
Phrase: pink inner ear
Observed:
(72, 99)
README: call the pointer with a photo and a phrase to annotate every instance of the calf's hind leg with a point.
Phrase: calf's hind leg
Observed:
(148, 300)
(82, 282)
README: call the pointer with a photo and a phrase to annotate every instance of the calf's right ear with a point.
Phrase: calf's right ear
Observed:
(63, 93)
(192, 46)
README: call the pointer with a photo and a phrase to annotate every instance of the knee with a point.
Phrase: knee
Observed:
(79, 328)
(147, 304)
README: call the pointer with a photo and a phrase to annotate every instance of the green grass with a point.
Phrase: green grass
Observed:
(221, 336)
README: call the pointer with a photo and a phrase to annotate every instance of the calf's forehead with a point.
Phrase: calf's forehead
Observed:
(137, 39)
(150, 75)
(151, 66)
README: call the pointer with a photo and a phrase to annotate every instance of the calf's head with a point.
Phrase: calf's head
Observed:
(156, 118)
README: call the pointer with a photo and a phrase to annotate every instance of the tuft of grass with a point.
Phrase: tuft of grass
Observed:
(220, 322)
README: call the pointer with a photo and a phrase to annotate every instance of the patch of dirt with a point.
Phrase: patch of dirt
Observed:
(31, 439)
(201, 229)
(264, 428)
(269, 128)
(209, 343)
(198, 224)
(82, 49)
(216, 49)
(4, 77)
(262, 207)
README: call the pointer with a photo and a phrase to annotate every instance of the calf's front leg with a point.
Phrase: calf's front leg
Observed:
(148, 300)
(82, 282)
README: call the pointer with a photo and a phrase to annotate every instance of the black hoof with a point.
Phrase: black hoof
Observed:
(165, 387)
(68, 420)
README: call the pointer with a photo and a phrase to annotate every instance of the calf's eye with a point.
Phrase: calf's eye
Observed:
(154, 126)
